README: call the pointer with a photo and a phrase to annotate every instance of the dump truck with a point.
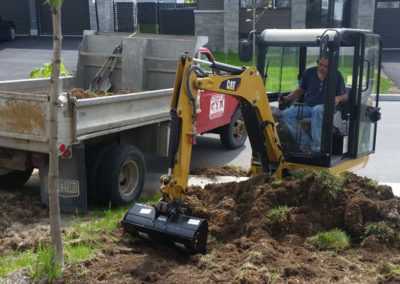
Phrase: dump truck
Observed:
(356, 53)
(102, 140)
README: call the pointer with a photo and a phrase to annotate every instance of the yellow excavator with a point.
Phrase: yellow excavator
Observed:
(341, 150)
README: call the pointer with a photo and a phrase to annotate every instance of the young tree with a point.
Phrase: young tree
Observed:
(55, 218)
(258, 8)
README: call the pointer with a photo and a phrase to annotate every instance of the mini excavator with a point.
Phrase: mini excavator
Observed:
(341, 150)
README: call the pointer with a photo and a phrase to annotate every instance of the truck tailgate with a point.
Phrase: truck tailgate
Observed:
(23, 117)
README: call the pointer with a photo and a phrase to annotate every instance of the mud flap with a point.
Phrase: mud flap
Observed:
(72, 182)
(181, 231)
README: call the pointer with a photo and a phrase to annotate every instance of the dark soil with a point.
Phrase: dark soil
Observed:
(246, 246)
(220, 171)
(85, 94)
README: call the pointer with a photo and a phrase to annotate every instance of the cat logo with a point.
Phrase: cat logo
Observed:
(230, 84)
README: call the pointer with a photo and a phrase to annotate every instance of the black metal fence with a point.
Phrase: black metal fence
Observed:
(178, 21)
(166, 18)
(124, 16)
(152, 17)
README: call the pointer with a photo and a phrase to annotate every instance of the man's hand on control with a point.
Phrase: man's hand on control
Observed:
(340, 99)
(281, 99)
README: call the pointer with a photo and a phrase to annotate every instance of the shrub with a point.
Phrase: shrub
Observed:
(335, 239)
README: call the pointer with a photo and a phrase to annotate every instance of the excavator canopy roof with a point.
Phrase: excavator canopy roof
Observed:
(303, 36)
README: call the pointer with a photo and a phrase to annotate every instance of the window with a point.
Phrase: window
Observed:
(283, 79)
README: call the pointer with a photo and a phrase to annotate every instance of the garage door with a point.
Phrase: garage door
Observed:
(17, 11)
(387, 22)
(74, 17)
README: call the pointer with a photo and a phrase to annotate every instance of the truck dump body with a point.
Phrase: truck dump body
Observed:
(111, 114)
(23, 117)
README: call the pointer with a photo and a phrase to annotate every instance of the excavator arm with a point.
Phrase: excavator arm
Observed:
(166, 222)
(246, 85)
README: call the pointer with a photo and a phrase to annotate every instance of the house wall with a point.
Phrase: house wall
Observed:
(105, 15)
(362, 12)
(210, 5)
(210, 23)
(231, 26)
(298, 14)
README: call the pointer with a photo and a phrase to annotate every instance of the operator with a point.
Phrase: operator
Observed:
(313, 85)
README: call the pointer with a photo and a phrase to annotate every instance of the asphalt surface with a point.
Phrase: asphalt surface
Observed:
(19, 57)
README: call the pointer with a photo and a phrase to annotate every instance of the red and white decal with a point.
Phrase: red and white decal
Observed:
(217, 106)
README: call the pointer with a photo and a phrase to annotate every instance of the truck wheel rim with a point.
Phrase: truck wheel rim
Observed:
(239, 129)
(128, 178)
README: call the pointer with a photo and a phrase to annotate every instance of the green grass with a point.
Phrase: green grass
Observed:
(255, 257)
(335, 240)
(273, 276)
(330, 181)
(381, 231)
(41, 267)
(385, 85)
(82, 241)
(303, 173)
(15, 261)
(82, 251)
(276, 214)
(275, 183)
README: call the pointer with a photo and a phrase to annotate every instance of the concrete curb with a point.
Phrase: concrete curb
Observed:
(388, 97)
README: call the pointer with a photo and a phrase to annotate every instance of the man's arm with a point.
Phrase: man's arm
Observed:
(297, 93)
(341, 92)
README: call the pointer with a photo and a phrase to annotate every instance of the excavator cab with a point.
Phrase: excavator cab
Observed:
(348, 130)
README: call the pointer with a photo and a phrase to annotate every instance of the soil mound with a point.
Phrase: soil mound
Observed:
(220, 171)
(85, 94)
(238, 210)
(245, 244)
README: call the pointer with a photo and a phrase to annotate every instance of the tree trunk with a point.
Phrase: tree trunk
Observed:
(55, 219)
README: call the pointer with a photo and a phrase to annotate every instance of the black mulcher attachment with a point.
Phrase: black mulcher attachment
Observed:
(172, 229)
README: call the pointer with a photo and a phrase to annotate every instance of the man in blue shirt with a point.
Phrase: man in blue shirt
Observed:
(313, 85)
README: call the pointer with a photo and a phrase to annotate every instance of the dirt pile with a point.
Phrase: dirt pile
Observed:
(246, 246)
(19, 222)
(220, 171)
(80, 93)
(240, 209)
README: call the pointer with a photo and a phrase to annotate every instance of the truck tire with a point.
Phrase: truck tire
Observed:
(94, 158)
(15, 179)
(234, 134)
(122, 174)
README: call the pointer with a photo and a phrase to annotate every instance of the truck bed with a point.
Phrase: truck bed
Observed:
(24, 117)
